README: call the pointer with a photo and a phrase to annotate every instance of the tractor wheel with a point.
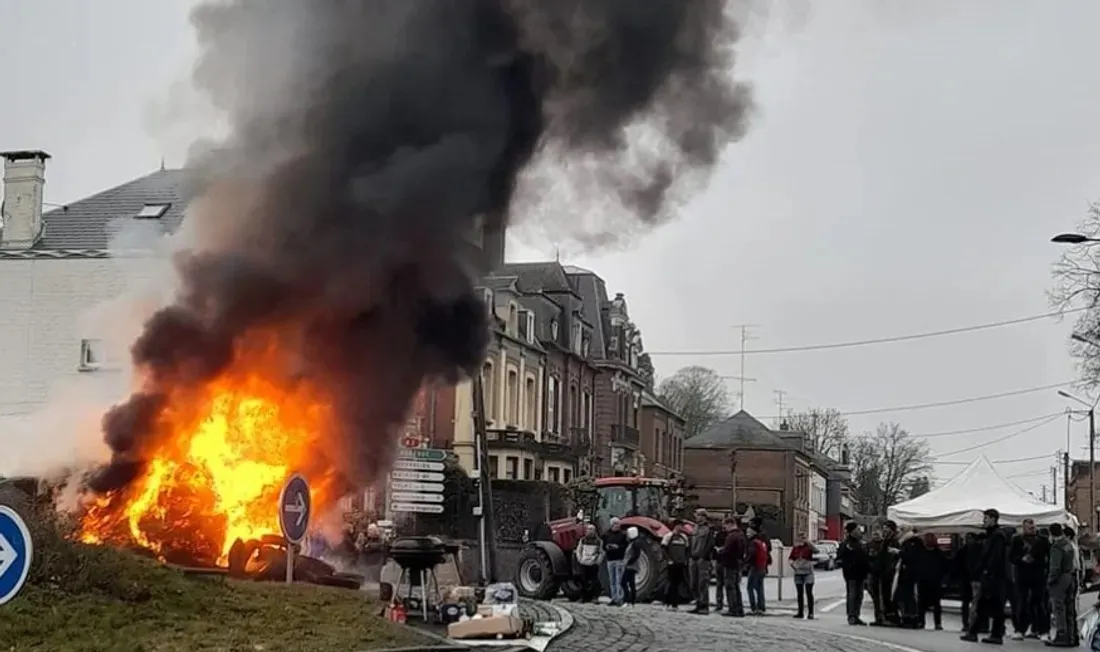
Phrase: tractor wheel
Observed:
(651, 579)
(535, 575)
(572, 589)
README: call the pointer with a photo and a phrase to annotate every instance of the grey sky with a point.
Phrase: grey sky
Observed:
(907, 166)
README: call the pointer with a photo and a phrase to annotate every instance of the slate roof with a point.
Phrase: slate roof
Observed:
(649, 399)
(537, 277)
(83, 227)
(742, 430)
(593, 295)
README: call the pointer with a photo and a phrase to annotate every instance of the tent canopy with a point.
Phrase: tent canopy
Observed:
(958, 505)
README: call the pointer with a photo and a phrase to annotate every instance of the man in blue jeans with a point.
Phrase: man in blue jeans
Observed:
(614, 547)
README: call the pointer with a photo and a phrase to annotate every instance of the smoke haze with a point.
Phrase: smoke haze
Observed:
(366, 141)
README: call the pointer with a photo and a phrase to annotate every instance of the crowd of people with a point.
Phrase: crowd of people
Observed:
(1033, 572)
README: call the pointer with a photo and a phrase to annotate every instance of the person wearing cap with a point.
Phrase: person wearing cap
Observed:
(885, 567)
(630, 570)
(702, 552)
(614, 548)
(993, 580)
(677, 548)
(854, 566)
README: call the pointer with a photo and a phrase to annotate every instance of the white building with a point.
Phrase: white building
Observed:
(55, 275)
(817, 525)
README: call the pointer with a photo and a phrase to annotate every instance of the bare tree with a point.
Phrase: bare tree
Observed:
(826, 427)
(697, 394)
(1077, 288)
(885, 467)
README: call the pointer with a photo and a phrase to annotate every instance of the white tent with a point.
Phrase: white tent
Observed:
(958, 505)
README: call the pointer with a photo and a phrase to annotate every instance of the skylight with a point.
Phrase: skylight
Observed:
(152, 211)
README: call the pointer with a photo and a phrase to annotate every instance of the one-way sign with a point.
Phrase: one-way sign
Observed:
(16, 552)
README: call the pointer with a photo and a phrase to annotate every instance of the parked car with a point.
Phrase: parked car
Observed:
(825, 554)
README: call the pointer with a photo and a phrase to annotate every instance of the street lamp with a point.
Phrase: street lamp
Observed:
(1073, 238)
(1092, 455)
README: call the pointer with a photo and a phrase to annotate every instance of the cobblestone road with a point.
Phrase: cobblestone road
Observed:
(602, 628)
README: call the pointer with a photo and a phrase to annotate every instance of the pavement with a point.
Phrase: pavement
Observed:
(651, 628)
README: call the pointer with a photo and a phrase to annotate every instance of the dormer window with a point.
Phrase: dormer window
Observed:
(586, 343)
(575, 344)
(152, 211)
(487, 297)
(530, 316)
(554, 329)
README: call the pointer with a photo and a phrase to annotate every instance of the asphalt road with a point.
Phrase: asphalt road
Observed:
(651, 628)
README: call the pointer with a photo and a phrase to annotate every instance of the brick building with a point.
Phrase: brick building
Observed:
(741, 463)
(662, 438)
(1077, 489)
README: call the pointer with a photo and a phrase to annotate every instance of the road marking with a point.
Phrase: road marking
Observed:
(898, 647)
(832, 605)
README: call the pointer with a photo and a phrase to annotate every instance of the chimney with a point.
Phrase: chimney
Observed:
(21, 212)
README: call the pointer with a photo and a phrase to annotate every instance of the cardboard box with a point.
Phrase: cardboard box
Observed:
(491, 627)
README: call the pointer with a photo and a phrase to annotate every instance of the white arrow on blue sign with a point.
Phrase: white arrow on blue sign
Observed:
(295, 505)
(16, 552)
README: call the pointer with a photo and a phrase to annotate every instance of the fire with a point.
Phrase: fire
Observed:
(222, 456)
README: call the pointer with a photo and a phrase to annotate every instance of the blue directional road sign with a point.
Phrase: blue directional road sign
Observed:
(295, 505)
(16, 551)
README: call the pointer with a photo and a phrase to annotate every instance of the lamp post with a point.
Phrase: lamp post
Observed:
(1073, 239)
(1092, 456)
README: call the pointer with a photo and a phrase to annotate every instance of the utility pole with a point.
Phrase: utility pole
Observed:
(1054, 481)
(745, 337)
(1092, 470)
(1044, 494)
(484, 484)
(1065, 480)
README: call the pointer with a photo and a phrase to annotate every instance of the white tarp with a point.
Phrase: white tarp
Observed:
(958, 505)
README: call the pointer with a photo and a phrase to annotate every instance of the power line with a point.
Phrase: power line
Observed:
(997, 426)
(1000, 439)
(880, 340)
(959, 401)
(1045, 456)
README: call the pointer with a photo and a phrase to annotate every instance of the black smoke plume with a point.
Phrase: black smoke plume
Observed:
(367, 139)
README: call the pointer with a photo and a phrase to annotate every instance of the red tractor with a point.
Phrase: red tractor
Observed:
(546, 565)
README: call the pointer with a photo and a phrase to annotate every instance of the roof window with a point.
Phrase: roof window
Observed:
(152, 211)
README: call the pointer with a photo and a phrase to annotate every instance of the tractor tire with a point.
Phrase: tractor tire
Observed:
(535, 575)
(572, 589)
(651, 579)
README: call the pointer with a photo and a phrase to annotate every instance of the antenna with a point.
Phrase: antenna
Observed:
(779, 394)
(745, 337)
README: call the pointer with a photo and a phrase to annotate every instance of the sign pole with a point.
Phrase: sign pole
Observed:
(289, 562)
(295, 509)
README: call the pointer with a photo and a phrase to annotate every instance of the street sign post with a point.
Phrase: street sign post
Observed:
(16, 552)
(295, 506)
(416, 483)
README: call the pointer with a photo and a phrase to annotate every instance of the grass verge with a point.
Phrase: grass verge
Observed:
(83, 598)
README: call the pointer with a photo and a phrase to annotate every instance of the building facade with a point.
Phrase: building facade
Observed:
(662, 438)
(741, 463)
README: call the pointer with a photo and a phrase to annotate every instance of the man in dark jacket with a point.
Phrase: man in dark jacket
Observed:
(1059, 579)
(885, 564)
(932, 568)
(720, 534)
(731, 559)
(993, 580)
(702, 551)
(1028, 553)
(910, 557)
(854, 564)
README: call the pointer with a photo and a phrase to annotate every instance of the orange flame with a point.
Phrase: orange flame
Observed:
(222, 456)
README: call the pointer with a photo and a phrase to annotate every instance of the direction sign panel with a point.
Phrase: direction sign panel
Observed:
(426, 487)
(417, 476)
(423, 454)
(16, 551)
(421, 508)
(295, 505)
(409, 497)
(417, 465)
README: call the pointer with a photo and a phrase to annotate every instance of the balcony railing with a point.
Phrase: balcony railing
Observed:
(625, 435)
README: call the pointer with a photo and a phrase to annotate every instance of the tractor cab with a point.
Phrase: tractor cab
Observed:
(630, 498)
